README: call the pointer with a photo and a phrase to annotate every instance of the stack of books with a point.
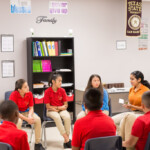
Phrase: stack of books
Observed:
(45, 48)
(42, 66)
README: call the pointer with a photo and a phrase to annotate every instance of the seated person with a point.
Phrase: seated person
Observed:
(96, 82)
(24, 100)
(141, 126)
(8, 131)
(94, 124)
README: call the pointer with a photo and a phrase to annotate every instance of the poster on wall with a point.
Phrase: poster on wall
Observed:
(20, 6)
(143, 39)
(8, 68)
(134, 11)
(57, 7)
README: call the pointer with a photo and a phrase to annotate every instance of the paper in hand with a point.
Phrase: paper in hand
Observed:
(121, 101)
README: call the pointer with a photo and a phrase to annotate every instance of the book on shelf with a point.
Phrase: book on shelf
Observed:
(45, 48)
(38, 48)
(38, 85)
(63, 70)
(56, 48)
(66, 84)
(37, 66)
(65, 54)
(53, 48)
(46, 66)
(42, 49)
(49, 48)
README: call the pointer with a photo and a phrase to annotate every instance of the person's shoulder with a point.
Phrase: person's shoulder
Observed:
(62, 90)
(20, 133)
(105, 91)
(48, 90)
(29, 93)
(144, 88)
(14, 94)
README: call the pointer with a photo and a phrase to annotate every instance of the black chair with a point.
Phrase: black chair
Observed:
(147, 146)
(46, 121)
(104, 143)
(5, 146)
(24, 124)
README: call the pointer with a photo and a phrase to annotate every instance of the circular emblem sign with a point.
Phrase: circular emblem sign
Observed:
(134, 22)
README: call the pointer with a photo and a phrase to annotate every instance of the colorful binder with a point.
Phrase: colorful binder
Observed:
(46, 66)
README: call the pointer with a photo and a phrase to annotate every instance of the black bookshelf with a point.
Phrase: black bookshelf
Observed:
(58, 62)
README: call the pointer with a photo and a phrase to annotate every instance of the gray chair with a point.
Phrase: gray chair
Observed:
(24, 124)
(104, 143)
(5, 146)
(147, 145)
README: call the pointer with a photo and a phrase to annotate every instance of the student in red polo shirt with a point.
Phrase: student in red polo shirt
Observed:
(8, 131)
(24, 100)
(56, 104)
(141, 126)
(94, 124)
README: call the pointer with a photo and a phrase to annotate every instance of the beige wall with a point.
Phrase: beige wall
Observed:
(97, 24)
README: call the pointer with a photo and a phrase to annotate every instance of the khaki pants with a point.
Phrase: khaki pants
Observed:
(124, 123)
(37, 126)
(56, 116)
(82, 114)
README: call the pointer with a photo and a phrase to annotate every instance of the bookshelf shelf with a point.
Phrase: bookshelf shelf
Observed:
(57, 63)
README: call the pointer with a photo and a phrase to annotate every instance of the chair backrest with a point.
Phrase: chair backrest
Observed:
(7, 95)
(104, 143)
(147, 146)
(5, 146)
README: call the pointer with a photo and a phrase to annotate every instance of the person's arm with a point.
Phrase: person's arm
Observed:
(105, 100)
(75, 148)
(129, 106)
(131, 142)
(29, 120)
(31, 111)
(24, 145)
(51, 108)
(64, 107)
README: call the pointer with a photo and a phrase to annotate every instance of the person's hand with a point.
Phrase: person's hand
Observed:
(31, 120)
(127, 106)
(64, 107)
(30, 116)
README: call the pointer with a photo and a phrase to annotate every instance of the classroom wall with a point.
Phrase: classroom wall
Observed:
(97, 24)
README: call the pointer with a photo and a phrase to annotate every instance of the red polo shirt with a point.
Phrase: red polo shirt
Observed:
(16, 138)
(55, 98)
(94, 124)
(22, 102)
(141, 128)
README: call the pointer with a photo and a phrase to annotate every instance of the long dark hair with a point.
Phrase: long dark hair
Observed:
(53, 76)
(139, 75)
(89, 84)
(19, 83)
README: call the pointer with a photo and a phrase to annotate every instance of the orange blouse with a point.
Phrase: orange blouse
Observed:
(135, 98)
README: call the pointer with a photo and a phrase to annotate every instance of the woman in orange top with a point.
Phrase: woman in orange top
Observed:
(135, 95)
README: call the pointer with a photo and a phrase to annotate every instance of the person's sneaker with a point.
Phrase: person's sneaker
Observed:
(39, 147)
(67, 145)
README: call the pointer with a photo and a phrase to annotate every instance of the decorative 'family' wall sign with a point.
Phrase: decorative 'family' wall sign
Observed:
(41, 19)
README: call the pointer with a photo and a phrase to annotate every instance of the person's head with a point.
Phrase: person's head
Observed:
(146, 100)
(9, 111)
(136, 78)
(55, 79)
(93, 99)
(95, 82)
(22, 86)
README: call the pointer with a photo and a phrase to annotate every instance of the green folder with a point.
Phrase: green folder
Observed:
(37, 66)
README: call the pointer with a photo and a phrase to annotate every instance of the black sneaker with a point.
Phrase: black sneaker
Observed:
(39, 147)
(67, 145)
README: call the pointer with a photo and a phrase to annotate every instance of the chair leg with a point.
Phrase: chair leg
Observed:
(45, 141)
(32, 128)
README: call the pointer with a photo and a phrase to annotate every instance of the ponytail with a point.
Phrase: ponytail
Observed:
(139, 75)
(146, 83)
(53, 76)
(19, 83)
